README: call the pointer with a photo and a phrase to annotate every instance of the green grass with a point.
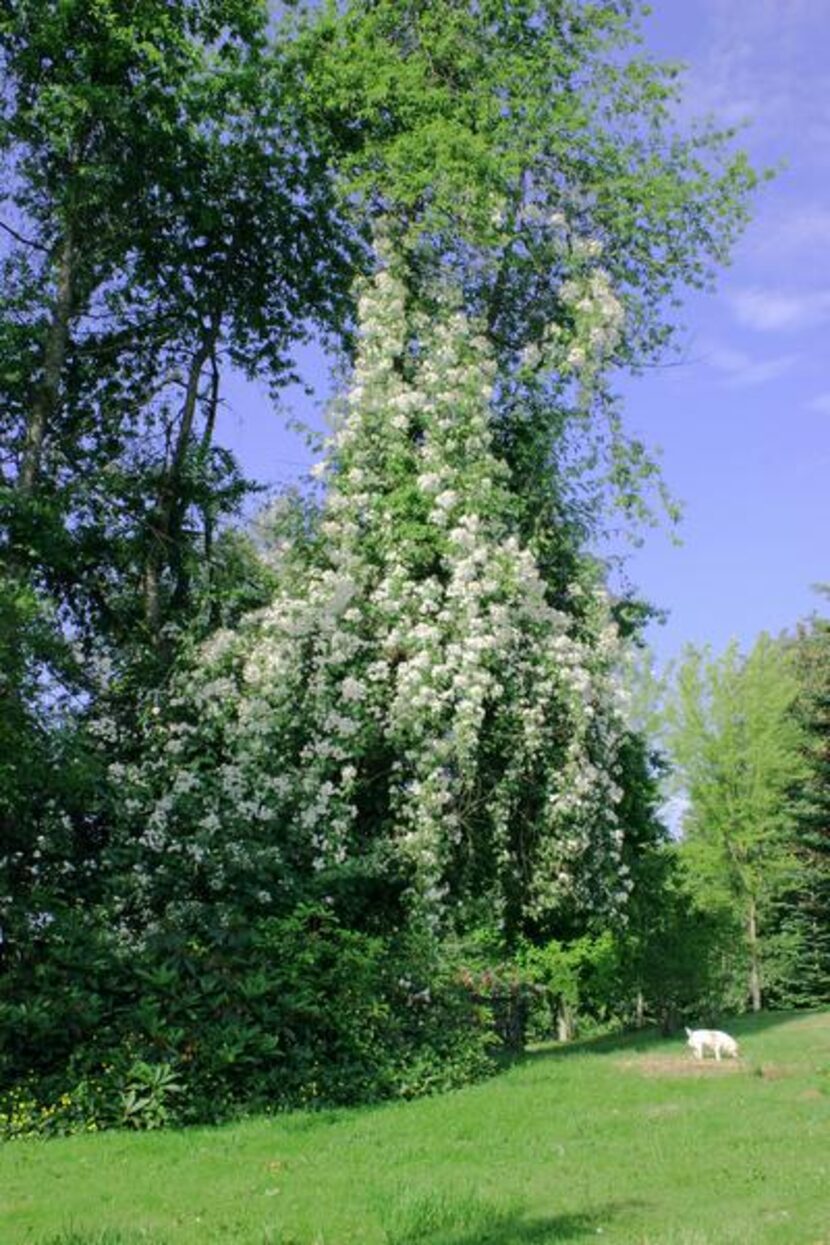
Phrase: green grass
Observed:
(616, 1140)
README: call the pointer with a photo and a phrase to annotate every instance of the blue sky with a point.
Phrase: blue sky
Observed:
(743, 418)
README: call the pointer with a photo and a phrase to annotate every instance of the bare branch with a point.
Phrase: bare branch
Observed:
(38, 246)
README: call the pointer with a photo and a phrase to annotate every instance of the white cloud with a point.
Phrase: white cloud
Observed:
(805, 228)
(763, 64)
(772, 310)
(820, 403)
(780, 15)
(742, 371)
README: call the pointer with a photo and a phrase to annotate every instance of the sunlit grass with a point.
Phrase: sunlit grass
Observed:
(618, 1140)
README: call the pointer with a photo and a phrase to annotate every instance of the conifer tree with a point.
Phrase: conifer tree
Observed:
(805, 910)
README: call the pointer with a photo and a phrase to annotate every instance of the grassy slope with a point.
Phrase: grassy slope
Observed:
(620, 1140)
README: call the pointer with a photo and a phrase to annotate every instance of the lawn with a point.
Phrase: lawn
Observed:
(619, 1140)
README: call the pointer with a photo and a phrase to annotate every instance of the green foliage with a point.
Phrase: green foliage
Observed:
(518, 147)
(149, 1091)
(292, 1011)
(736, 743)
(576, 981)
(684, 959)
(162, 188)
(50, 777)
(251, 797)
(121, 1094)
(175, 216)
(803, 912)
(22, 1115)
(502, 986)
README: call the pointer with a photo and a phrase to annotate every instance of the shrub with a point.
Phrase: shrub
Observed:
(292, 1011)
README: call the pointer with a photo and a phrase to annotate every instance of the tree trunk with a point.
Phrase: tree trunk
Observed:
(208, 509)
(47, 394)
(167, 517)
(639, 1010)
(564, 1021)
(754, 957)
(668, 1019)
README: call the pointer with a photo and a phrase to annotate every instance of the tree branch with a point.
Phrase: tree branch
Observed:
(38, 246)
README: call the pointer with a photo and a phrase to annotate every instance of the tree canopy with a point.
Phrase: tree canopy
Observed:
(390, 730)
(737, 745)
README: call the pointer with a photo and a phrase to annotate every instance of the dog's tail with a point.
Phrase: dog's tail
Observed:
(688, 1031)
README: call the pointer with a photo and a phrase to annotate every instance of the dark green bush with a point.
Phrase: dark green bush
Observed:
(293, 1011)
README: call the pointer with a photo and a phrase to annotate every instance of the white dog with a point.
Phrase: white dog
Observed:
(712, 1039)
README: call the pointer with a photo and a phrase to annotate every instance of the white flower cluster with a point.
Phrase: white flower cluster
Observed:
(596, 320)
(419, 694)
(599, 318)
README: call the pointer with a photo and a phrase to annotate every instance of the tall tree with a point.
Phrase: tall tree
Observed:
(171, 206)
(737, 746)
(805, 911)
(530, 149)
(170, 213)
(166, 211)
(409, 707)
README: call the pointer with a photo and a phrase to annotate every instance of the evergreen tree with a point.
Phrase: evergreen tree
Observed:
(805, 910)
